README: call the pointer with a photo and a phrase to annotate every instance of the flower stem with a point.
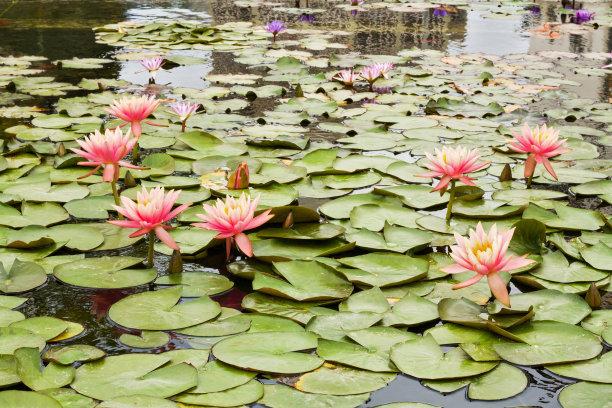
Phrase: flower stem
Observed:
(116, 196)
(135, 153)
(529, 180)
(449, 208)
(183, 126)
(151, 244)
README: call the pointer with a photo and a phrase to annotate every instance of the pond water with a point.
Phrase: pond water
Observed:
(62, 30)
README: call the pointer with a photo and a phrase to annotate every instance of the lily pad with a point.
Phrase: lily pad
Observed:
(338, 380)
(28, 366)
(586, 394)
(281, 396)
(147, 339)
(197, 284)
(104, 272)
(69, 354)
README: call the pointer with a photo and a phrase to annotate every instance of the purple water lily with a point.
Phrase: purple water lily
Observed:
(307, 18)
(274, 27)
(533, 9)
(356, 2)
(440, 12)
(582, 16)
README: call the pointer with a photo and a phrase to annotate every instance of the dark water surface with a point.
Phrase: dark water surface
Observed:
(62, 30)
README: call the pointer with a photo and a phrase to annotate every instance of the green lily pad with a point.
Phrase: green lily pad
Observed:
(69, 354)
(354, 355)
(383, 269)
(411, 310)
(342, 207)
(306, 281)
(22, 276)
(69, 398)
(137, 401)
(300, 312)
(599, 256)
(556, 268)
(15, 337)
(314, 231)
(8, 371)
(8, 316)
(147, 339)
(598, 321)
(159, 310)
(281, 396)
(375, 217)
(274, 352)
(217, 376)
(548, 342)
(243, 394)
(504, 381)
(22, 399)
(415, 196)
(276, 249)
(596, 370)
(28, 366)
(586, 394)
(333, 326)
(104, 272)
(133, 374)
(196, 284)
(338, 380)
(423, 358)
(46, 327)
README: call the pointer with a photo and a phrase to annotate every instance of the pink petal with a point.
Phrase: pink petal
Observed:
(454, 268)
(516, 263)
(244, 244)
(498, 288)
(530, 164)
(548, 167)
(468, 282)
(163, 235)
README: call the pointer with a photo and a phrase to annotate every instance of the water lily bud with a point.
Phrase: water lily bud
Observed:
(289, 220)
(593, 297)
(61, 150)
(298, 91)
(129, 180)
(176, 262)
(506, 174)
(239, 179)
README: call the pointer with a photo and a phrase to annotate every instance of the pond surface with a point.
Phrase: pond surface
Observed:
(61, 30)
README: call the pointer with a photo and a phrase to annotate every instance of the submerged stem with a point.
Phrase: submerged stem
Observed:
(151, 244)
(529, 180)
(135, 153)
(116, 195)
(449, 208)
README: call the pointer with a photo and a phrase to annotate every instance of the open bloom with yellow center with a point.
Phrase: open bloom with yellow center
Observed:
(184, 110)
(384, 67)
(485, 254)
(347, 77)
(453, 164)
(541, 143)
(149, 213)
(106, 150)
(231, 218)
(134, 110)
(152, 65)
(370, 73)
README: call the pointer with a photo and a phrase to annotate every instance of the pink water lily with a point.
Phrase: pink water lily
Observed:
(384, 67)
(134, 110)
(453, 164)
(347, 77)
(370, 73)
(184, 110)
(106, 150)
(231, 218)
(152, 65)
(541, 143)
(484, 253)
(149, 213)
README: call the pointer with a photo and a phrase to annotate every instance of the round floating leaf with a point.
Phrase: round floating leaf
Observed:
(67, 355)
(222, 325)
(14, 338)
(104, 272)
(598, 321)
(423, 358)
(548, 305)
(147, 339)
(338, 380)
(599, 256)
(504, 381)
(549, 342)
(380, 339)
(370, 300)
(197, 284)
(314, 231)
(11, 302)
(342, 207)
(407, 405)
(243, 394)
(217, 376)
(28, 367)
(137, 401)
(8, 371)
(333, 326)
(596, 370)
(8, 316)
(383, 269)
(276, 249)
(22, 276)
(74, 329)
(133, 374)
(69, 398)
(23, 399)
(411, 310)
(354, 355)
(586, 394)
(159, 310)
(298, 311)
(46, 327)
(281, 396)
(306, 280)
(556, 268)
(274, 352)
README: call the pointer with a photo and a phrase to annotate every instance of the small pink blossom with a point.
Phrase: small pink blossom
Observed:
(370, 73)
(452, 164)
(152, 65)
(384, 67)
(231, 218)
(149, 213)
(347, 77)
(541, 143)
(134, 110)
(184, 110)
(485, 254)
(106, 150)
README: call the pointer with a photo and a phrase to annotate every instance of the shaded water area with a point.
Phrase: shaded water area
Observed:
(63, 30)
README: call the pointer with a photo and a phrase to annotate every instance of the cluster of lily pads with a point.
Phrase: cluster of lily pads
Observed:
(348, 292)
